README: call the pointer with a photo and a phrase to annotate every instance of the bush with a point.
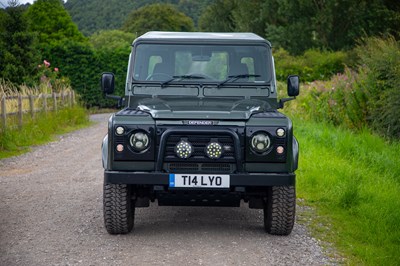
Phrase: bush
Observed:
(312, 65)
(368, 97)
(380, 69)
(83, 66)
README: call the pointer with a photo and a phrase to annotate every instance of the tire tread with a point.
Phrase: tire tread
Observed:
(118, 209)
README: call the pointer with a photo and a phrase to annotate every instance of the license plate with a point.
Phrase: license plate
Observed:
(199, 181)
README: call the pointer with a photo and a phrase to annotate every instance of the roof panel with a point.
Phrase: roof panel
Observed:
(210, 36)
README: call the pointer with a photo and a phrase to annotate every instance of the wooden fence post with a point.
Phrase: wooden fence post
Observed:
(31, 106)
(44, 96)
(54, 101)
(73, 97)
(3, 112)
(62, 98)
(70, 98)
(20, 113)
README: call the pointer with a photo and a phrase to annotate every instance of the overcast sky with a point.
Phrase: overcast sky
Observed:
(4, 2)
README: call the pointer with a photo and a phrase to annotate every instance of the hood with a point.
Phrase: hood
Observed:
(203, 108)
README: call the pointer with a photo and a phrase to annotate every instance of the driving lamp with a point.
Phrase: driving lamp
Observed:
(214, 150)
(183, 149)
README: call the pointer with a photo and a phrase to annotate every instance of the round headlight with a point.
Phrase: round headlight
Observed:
(139, 141)
(214, 150)
(183, 149)
(260, 142)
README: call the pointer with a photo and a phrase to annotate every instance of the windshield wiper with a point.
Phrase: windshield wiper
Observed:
(236, 77)
(181, 77)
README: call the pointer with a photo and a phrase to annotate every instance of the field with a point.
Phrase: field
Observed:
(353, 181)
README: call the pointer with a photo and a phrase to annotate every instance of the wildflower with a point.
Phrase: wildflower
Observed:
(56, 69)
(46, 63)
(39, 66)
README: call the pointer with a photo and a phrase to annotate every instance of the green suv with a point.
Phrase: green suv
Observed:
(200, 127)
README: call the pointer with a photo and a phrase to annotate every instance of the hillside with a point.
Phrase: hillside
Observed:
(94, 15)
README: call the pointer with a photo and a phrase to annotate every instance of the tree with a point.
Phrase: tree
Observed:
(163, 17)
(249, 16)
(17, 55)
(218, 17)
(299, 25)
(52, 22)
(193, 8)
(111, 40)
(94, 15)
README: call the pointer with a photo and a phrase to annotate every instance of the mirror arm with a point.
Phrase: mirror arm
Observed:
(282, 102)
(116, 97)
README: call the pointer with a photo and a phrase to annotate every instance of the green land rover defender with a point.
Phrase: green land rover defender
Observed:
(200, 127)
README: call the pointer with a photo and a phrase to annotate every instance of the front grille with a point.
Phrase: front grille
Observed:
(199, 143)
(231, 140)
(201, 167)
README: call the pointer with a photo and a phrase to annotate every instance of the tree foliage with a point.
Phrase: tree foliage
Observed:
(298, 25)
(111, 40)
(94, 15)
(17, 53)
(52, 22)
(164, 17)
(218, 17)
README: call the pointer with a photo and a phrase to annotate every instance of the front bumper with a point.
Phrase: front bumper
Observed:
(243, 180)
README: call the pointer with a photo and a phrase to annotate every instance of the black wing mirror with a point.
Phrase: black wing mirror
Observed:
(108, 86)
(107, 82)
(293, 89)
(293, 85)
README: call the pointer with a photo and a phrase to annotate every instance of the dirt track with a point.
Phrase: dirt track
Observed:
(51, 214)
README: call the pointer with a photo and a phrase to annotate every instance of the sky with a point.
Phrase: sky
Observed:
(4, 2)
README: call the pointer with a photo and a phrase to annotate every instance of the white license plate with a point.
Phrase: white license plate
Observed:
(199, 180)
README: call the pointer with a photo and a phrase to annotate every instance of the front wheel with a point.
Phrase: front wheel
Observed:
(279, 210)
(118, 208)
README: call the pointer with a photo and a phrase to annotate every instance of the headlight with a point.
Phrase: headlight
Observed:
(183, 149)
(139, 141)
(260, 142)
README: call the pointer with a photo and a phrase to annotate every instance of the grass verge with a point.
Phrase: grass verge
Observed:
(353, 181)
(41, 129)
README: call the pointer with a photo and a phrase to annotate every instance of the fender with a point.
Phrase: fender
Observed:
(295, 153)
(104, 152)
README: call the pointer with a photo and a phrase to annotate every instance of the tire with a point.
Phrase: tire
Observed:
(280, 210)
(118, 208)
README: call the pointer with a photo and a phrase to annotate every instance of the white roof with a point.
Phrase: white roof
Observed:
(203, 36)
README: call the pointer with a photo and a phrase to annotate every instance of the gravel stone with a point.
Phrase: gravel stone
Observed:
(51, 214)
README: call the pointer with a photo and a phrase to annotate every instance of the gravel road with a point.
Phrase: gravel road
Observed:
(51, 214)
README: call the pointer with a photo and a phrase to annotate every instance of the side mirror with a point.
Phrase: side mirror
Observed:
(293, 85)
(107, 82)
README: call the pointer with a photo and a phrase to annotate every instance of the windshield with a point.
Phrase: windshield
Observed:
(202, 63)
